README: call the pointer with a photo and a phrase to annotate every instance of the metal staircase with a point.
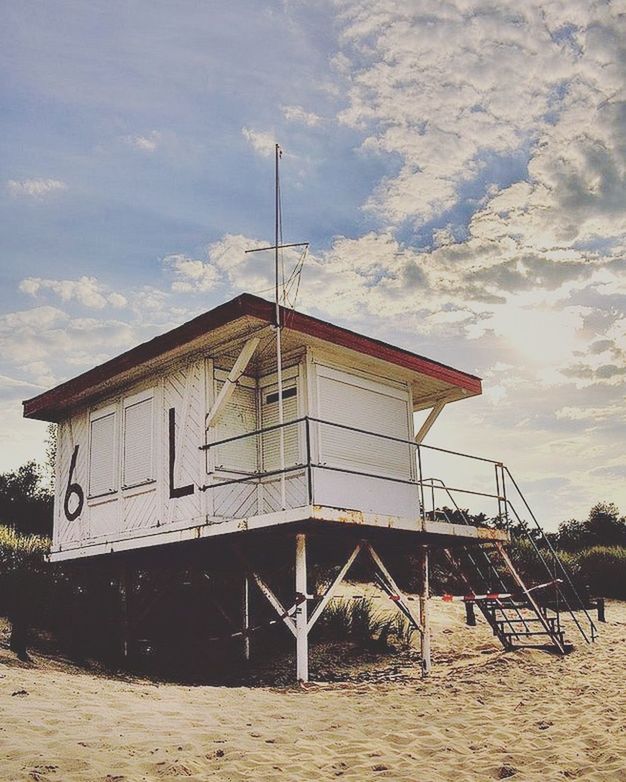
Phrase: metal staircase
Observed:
(520, 615)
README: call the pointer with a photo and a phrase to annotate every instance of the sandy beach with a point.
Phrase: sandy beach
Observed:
(483, 714)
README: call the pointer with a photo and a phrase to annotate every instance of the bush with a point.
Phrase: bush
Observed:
(357, 620)
(603, 568)
(21, 553)
(24, 582)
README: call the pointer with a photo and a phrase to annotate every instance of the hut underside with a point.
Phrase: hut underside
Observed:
(275, 575)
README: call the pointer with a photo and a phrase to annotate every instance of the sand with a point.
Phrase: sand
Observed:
(483, 714)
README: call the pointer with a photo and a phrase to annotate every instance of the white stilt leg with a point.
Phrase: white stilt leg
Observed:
(424, 613)
(302, 630)
(246, 617)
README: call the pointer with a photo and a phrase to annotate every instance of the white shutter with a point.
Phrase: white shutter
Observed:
(102, 462)
(138, 439)
(346, 402)
(239, 416)
(271, 440)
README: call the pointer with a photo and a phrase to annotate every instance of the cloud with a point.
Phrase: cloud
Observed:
(147, 143)
(191, 276)
(261, 142)
(298, 114)
(35, 188)
(87, 291)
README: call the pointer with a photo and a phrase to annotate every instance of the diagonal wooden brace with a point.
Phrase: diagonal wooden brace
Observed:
(227, 390)
(332, 588)
(398, 596)
(265, 590)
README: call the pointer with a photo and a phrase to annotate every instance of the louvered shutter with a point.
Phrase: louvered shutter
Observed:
(102, 462)
(239, 417)
(347, 403)
(138, 440)
(271, 440)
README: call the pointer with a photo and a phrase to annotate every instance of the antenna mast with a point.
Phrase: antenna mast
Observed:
(278, 325)
(279, 359)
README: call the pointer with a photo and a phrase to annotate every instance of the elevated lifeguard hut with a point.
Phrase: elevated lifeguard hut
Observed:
(194, 435)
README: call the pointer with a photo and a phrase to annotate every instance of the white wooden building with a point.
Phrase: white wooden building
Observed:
(178, 438)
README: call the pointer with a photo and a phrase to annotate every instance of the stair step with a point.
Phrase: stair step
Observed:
(524, 633)
(548, 619)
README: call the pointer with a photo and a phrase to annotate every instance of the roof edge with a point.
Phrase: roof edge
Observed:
(47, 405)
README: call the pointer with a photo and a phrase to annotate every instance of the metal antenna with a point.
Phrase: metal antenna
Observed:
(278, 325)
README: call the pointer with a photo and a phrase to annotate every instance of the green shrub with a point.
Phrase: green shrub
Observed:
(603, 569)
(357, 620)
(20, 553)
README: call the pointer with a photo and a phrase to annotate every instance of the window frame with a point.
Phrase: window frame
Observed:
(96, 415)
(130, 401)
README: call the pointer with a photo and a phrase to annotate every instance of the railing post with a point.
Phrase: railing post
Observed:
(504, 497)
(309, 468)
(498, 494)
(421, 481)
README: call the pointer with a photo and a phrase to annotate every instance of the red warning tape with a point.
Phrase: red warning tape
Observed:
(493, 595)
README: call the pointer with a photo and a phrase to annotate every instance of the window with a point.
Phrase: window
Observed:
(362, 404)
(138, 442)
(239, 417)
(271, 440)
(102, 461)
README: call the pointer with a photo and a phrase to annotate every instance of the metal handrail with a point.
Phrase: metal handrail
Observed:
(501, 471)
(551, 549)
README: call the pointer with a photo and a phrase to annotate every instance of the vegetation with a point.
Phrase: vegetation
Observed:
(602, 527)
(23, 582)
(26, 500)
(359, 621)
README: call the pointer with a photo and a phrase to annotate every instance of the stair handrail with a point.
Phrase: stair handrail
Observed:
(547, 541)
(486, 558)
(555, 556)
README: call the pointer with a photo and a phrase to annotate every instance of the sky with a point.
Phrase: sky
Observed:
(459, 168)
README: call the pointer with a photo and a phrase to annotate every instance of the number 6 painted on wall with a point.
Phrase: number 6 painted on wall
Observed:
(73, 488)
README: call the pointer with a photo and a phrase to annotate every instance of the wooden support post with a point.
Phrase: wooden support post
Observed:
(246, 618)
(125, 587)
(424, 613)
(470, 616)
(600, 607)
(302, 630)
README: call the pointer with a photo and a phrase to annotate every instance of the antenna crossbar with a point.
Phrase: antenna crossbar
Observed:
(278, 247)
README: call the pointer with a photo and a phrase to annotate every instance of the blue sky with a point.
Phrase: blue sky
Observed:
(459, 169)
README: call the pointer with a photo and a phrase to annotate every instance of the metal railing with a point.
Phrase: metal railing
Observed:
(308, 458)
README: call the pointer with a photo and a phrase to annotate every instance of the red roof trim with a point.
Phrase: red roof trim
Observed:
(49, 405)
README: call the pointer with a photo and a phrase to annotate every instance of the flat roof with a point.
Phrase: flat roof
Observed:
(51, 405)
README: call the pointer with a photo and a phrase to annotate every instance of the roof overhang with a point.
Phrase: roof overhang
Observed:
(251, 311)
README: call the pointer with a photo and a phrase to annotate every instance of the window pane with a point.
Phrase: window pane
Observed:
(138, 443)
(102, 455)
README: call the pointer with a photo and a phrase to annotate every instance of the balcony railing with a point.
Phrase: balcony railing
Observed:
(318, 448)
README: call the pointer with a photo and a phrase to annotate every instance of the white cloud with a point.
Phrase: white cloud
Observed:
(35, 188)
(146, 143)
(298, 114)
(191, 276)
(87, 291)
(261, 142)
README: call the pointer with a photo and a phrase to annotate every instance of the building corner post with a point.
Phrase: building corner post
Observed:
(301, 615)
(425, 612)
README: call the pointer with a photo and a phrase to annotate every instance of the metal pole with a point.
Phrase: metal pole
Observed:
(425, 614)
(279, 365)
(302, 630)
(246, 618)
